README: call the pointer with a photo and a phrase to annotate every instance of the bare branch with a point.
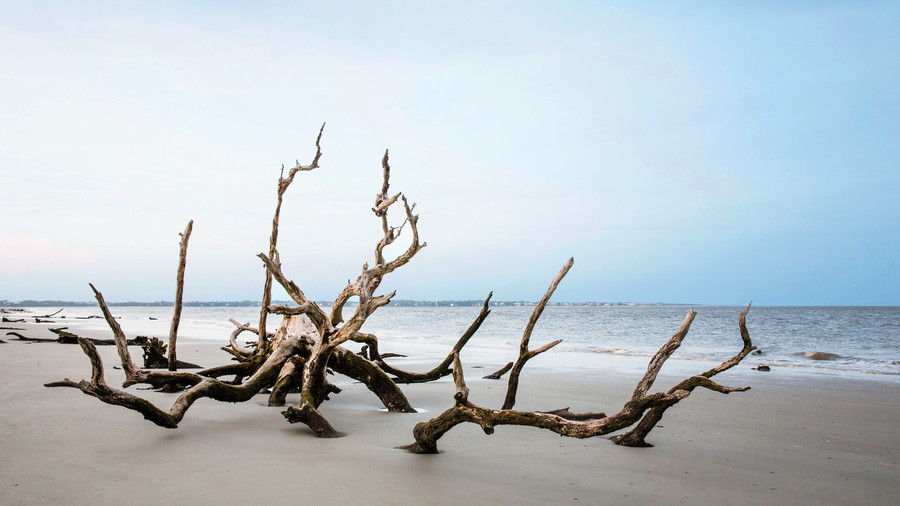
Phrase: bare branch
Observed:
(179, 292)
(311, 309)
(663, 354)
(438, 371)
(232, 339)
(524, 354)
(748, 347)
(283, 184)
(207, 387)
(119, 335)
(462, 391)
(499, 372)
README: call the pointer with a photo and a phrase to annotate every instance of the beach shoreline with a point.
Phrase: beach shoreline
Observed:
(791, 439)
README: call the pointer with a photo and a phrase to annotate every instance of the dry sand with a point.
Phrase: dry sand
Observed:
(793, 439)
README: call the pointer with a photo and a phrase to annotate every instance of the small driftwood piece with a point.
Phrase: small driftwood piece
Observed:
(155, 355)
(499, 372)
(64, 337)
(49, 315)
(364, 352)
(10, 320)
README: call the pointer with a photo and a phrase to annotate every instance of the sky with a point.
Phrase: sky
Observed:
(695, 152)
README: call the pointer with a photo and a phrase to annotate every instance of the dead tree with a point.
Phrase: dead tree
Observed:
(306, 345)
(309, 343)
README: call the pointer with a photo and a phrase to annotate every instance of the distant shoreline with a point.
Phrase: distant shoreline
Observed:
(399, 303)
(395, 303)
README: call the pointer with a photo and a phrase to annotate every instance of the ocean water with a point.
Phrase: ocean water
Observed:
(867, 339)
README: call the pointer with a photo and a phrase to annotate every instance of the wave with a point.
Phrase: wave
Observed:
(844, 364)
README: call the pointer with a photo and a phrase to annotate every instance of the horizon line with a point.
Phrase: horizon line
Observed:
(24, 303)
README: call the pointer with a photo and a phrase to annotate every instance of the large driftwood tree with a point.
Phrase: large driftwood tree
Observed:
(310, 341)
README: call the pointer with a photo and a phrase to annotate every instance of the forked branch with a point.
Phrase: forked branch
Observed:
(524, 353)
(644, 408)
(283, 184)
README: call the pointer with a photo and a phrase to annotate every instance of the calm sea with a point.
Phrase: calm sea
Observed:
(867, 339)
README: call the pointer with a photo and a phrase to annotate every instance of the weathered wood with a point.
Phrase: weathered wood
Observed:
(500, 372)
(439, 371)
(64, 337)
(636, 437)
(309, 345)
(365, 353)
(20, 337)
(155, 356)
(205, 387)
(289, 380)
(524, 353)
(345, 362)
(333, 330)
(50, 315)
(283, 184)
(568, 415)
(179, 293)
(644, 408)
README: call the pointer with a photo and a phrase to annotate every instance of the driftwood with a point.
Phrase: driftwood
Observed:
(644, 409)
(155, 355)
(364, 352)
(500, 372)
(172, 361)
(305, 337)
(283, 184)
(10, 320)
(309, 344)
(50, 315)
(64, 337)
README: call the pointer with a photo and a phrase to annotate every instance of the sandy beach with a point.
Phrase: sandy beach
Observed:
(794, 438)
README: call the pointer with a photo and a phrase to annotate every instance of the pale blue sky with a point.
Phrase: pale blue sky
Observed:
(703, 152)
